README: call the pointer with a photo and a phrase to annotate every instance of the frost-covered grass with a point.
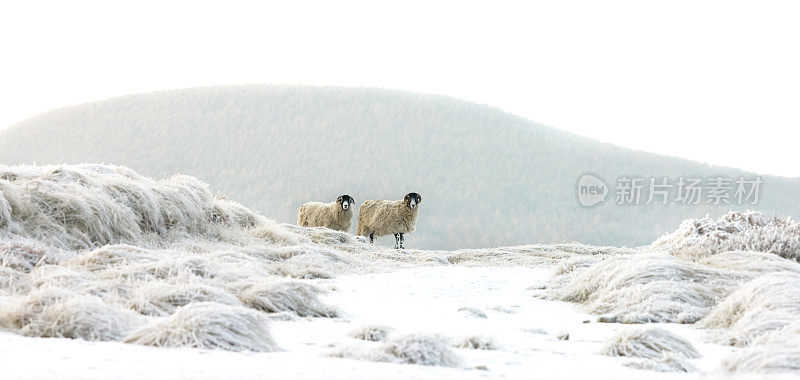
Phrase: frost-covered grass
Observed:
(649, 344)
(417, 349)
(704, 276)
(763, 306)
(643, 288)
(91, 251)
(734, 231)
(477, 342)
(371, 332)
(100, 253)
(96, 251)
(208, 325)
(765, 360)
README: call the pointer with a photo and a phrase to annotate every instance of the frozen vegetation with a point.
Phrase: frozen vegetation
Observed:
(489, 178)
(99, 253)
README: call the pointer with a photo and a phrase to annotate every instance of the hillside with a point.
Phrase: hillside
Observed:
(487, 177)
(117, 269)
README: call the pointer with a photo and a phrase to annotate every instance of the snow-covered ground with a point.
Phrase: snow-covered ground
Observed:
(415, 300)
(108, 274)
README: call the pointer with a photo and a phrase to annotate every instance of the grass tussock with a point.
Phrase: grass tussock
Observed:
(208, 325)
(734, 231)
(762, 306)
(300, 298)
(59, 313)
(423, 350)
(766, 359)
(477, 342)
(371, 332)
(648, 343)
(406, 349)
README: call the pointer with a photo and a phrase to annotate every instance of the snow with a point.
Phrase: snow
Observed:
(417, 300)
(103, 255)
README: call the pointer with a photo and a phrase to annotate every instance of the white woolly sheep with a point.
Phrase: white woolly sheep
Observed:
(336, 215)
(379, 218)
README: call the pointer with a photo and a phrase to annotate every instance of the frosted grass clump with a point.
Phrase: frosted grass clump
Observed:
(161, 299)
(761, 306)
(477, 342)
(423, 350)
(371, 332)
(642, 288)
(87, 206)
(764, 360)
(209, 325)
(734, 231)
(58, 313)
(648, 343)
(667, 362)
(407, 349)
(300, 298)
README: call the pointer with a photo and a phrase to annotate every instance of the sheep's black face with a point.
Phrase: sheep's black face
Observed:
(412, 200)
(345, 202)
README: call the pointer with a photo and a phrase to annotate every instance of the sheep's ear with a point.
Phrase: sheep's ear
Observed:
(339, 200)
(419, 198)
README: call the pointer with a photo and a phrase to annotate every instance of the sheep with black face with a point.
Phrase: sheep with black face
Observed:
(336, 215)
(379, 218)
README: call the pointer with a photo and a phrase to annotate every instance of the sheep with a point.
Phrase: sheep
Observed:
(335, 215)
(379, 218)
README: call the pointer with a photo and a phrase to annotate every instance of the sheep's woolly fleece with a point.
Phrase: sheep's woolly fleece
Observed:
(98, 252)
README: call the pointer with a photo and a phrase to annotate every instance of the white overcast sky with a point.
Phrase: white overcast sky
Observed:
(714, 81)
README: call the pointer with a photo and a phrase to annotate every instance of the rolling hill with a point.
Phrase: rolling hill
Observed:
(487, 177)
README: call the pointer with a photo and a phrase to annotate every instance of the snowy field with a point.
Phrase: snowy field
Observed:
(104, 273)
(417, 300)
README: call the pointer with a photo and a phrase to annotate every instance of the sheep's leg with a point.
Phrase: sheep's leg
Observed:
(397, 241)
(372, 237)
(401, 242)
